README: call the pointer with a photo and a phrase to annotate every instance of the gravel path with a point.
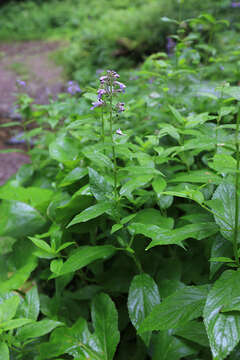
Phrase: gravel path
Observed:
(31, 62)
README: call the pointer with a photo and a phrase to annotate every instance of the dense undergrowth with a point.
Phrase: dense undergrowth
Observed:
(121, 239)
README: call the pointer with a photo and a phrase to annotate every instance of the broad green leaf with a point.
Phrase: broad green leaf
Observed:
(223, 329)
(142, 297)
(177, 114)
(37, 329)
(64, 149)
(29, 308)
(91, 213)
(33, 196)
(135, 183)
(194, 331)
(168, 347)
(105, 322)
(20, 276)
(177, 309)
(220, 248)
(76, 174)
(8, 308)
(159, 184)
(223, 206)
(76, 341)
(162, 236)
(152, 216)
(223, 163)
(19, 219)
(197, 176)
(4, 352)
(100, 188)
(85, 255)
(14, 324)
(232, 91)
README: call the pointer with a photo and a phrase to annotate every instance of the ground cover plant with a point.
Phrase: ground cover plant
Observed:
(121, 239)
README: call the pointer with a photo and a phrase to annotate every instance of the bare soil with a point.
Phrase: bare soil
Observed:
(32, 62)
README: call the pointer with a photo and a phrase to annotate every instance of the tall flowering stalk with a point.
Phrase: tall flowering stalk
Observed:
(109, 89)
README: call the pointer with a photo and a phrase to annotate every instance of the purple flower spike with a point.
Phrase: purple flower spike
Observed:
(21, 83)
(101, 92)
(235, 4)
(121, 85)
(97, 104)
(73, 88)
(120, 107)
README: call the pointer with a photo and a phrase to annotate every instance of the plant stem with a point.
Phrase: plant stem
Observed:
(103, 128)
(235, 238)
(112, 141)
(25, 131)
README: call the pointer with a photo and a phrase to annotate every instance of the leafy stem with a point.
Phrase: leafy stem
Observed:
(235, 237)
(112, 140)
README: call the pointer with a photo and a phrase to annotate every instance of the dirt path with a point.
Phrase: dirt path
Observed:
(30, 62)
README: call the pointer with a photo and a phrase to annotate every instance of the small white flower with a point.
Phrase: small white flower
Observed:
(119, 132)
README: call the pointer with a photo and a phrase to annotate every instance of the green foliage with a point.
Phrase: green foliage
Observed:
(121, 239)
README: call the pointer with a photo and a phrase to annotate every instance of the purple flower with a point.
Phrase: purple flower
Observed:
(235, 4)
(122, 87)
(20, 83)
(170, 45)
(119, 132)
(120, 107)
(101, 92)
(73, 88)
(97, 104)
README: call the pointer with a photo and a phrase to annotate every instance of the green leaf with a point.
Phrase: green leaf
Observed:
(152, 216)
(194, 331)
(91, 213)
(19, 219)
(14, 324)
(29, 308)
(64, 149)
(135, 183)
(100, 188)
(177, 114)
(223, 163)
(177, 309)
(161, 236)
(8, 308)
(143, 296)
(37, 329)
(85, 255)
(159, 184)
(232, 91)
(168, 347)
(105, 322)
(41, 244)
(223, 329)
(76, 174)
(4, 352)
(223, 205)
(197, 176)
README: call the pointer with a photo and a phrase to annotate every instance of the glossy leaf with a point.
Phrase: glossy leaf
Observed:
(100, 188)
(91, 213)
(37, 329)
(19, 219)
(194, 331)
(105, 322)
(177, 309)
(31, 305)
(223, 329)
(143, 296)
(64, 149)
(8, 308)
(76, 174)
(85, 255)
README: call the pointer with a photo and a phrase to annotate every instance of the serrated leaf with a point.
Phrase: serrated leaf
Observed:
(194, 331)
(91, 213)
(223, 329)
(177, 309)
(105, 322)
(85, 255)
(135, 183)
(143, 296)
